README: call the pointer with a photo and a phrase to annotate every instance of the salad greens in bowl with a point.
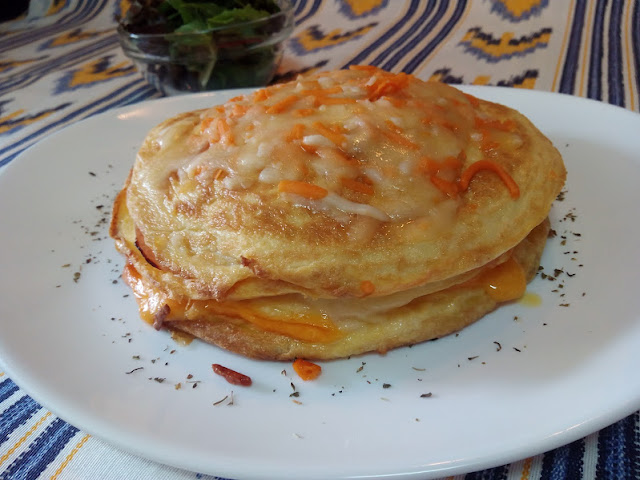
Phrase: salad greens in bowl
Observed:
(185, 46)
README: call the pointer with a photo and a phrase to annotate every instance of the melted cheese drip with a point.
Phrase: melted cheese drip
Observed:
(530, 299)
(504, 282)
(264, 314)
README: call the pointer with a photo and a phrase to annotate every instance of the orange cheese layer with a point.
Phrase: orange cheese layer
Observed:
(504, 282)
(308, 326)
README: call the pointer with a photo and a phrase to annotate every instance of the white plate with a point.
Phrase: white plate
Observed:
(503, 389)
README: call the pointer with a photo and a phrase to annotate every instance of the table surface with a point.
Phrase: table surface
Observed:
(60, 62)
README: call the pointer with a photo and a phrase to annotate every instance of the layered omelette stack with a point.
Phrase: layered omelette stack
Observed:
(341, 213)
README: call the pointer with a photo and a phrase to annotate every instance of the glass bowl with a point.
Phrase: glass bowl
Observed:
(239, 55)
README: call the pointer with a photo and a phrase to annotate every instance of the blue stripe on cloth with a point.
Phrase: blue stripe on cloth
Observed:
(615, 75)
(91, 8)
(633, 442)
(408, 37)
(618, 450)
(25, 142)
(413, 6)
(570, 68)
(498, 473)
(299, 6)
(16, 415)
(145, 92)
(7, 388)
(32, 462)
(32, 75)
(635, 42)
(564, 463)
(84, 11)
(594, 85)
(13, 126)
(455, 18)
(314, 8)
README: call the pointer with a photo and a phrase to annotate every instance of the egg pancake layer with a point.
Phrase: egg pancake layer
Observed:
(341, 213)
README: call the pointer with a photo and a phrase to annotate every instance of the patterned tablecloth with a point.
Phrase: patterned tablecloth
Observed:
(60, 62)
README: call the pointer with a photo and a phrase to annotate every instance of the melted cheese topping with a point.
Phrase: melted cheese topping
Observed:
(380, 146)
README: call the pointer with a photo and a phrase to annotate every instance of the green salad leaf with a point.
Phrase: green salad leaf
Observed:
(203, 44)
(198, 16)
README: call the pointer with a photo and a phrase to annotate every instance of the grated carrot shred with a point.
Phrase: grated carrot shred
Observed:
(322, 91)
(226, 136)
(333, 135)
(452, 162)
(296, 133)
(431, 167)
(392, 126)
(306, 370)
(475, 167)
(239, 110)
(304, 189)
(261, 95)
(283, 104)
(395, 101)
(507, 125)
(394, 135)
(428, 165)
(220, 174)
(450, 189)
(303, 112)
(338, 154)
(487, 145)
(388, 85)
(206, 123)
(436, 116)
(223, 126)
(321, 100)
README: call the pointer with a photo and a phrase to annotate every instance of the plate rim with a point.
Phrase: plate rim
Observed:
(579, 431)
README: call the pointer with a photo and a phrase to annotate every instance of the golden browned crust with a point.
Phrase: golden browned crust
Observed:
(400, 223)
(425, 318)
(198, 229)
